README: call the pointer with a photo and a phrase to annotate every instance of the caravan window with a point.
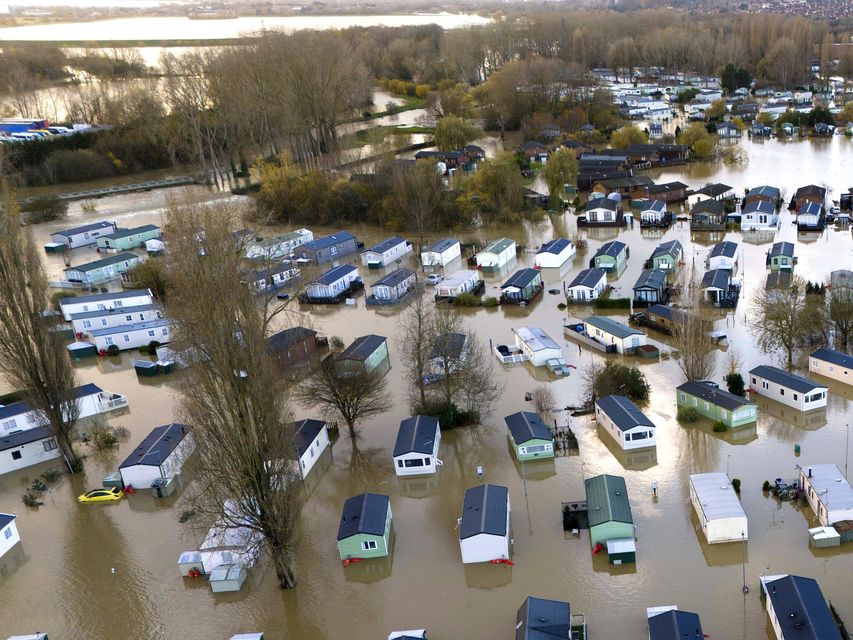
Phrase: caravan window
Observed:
(536, 448)
(7, 532)
(50, 445)
(368, 545)
(417, 462)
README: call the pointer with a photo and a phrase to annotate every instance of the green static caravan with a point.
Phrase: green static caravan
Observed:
(365, 529)
(715, 403)
(365, 354)
(530, 438)
(124, 239)
(611, 256)
(666, 256)
(609, 509)
(781, 257)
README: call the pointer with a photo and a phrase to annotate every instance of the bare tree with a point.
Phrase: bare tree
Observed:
(32, 356)
(416, 348)
(543, 399)
(840, 313)
(231, 394)
(778, 318)
(351, 395)
(696, 356)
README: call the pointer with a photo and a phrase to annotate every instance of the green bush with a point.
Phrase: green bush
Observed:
(56, 296)
(152, 346)
(249, 188)
(44, 209)
(561, 306)
(113, 350)
(719, 426)
(766, 486)
(687, 414)
(144, 349)
(490, 301)
(618, 379)
(102, 437)
(612, 303)
(466, 299)
(79, 165)
(735, 384)
(449, 417)
(736, 485)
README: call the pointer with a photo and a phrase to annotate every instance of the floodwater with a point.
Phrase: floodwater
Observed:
(60, 578)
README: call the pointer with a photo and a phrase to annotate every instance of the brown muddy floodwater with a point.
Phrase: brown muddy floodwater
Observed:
(60, 578)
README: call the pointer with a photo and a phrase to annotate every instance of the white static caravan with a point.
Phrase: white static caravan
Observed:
(797, 609)
(832, 364)
(91, 401)
(386, 252)
(332, 283)
(718, 508)
(609, 332)
(26, 448)
(416, 449)
(279, 247)
(587, 285)
(441, 253)
(653, 212)
(104, 301)
(8, 533)
(83, 236)
(759, 215)
(537, 344)
(484, 530)
(496, 255)
(312, 438)
(828, 493)
(554, 254)
(115, 317)
(723, 256)
(132, 336)
(160, 455)
(459, 282)
(625, 423)
(790, 389)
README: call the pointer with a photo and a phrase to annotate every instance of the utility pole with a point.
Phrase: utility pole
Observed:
(743, 560)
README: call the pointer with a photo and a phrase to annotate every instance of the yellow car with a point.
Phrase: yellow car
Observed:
(101, 495)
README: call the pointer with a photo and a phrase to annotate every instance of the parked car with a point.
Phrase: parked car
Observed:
(104, 494)
(434, 278)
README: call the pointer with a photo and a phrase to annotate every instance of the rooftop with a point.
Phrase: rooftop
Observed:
(765, 191)
(716, 279)
(329, 241)
(280, 341)
(611, 326)
(104, 262)
(786, 379)
(364, 513)
(713, 394)
(416, 435)
(440, 246)
(105, 297)
(137, 326)
(716, 496)
(651, 278)
(759, 206)
(612, 248)
(810, 190)
(499, 246)
(394, 278)
(94, 226)
(675, 625)
(827, 479)
(601, 203)
(17, 408)
(124, 233)
(335, 273)
(607, 498)
(655, 205)
(801, 609)
(522, 278)
(157, 446)
(834, 357)
(526, 426)
(536, 338)
(782, 249)
(555, 246)
(24, 437)
(114, 311)
(540, 619)
(712, 207)
(307, 431)
(714, 190)
(809, 209)
(484, 510)
(672, 247)
(362, 348)
(449, 345)
(725, 248)
(386, 245)
(623, 412)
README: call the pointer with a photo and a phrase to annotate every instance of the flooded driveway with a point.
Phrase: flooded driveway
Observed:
(61, 579)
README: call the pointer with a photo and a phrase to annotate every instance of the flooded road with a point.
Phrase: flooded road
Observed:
(60, 578)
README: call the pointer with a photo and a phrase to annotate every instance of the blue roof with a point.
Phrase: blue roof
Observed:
(588, 277)
(138, 326)
(522, 278)
(653, 278)
(416, 435)
(5, 519)
(540, 619)
(759, 206)
(440, 246)
(717, 279)
(675, 625)
(24, 437)
(835, 357)
(114, 311)
(306, 432)
(623, 412)
(365, 513)
(611, 326)
(484, 511)
(782, 249)
(801, 609)
(335, 273)
(555, 246)
(725, 248)
(329, 241)
(809, 209)
(655, 205)
(786, 379)
(612, 248)
(672, 247)
(94, 226)
(104, 262)
(99, 297)
(157, 446)
(764, 190)
(394, 278)
(124, 233)
(526, 426)
(362, 347)
(385, 245)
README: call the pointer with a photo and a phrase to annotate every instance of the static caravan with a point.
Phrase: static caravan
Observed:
(674, 625)
(416, 449)
(279, 247)
(781, 257)
(333, 283)
(522, 287)
(26, 448)
(365, 528)
(102, 301)
(484, 529)
(758, 214)
(365, 354)
(717, 286)
(788, 388)
(718, 508)
(554, 254)
(625, 423)
(653, 213)
(540, 619)
(125, 239)
(329, 248)
(385, 253)
(8, 533)
(101, 271)
(588, 285)
(132, 336)
(611, 256)
(394, 286)
(797, 610)
(312, 438)
(271, 278)
(602, 212)
(666, 256)
(828, 493)
(115, 317)
(464, 281)
(160, 455)
(83, 236)
(292, 346)
(537, 344)
(496, 255)
(809, 193)
(723, 256)
(609, 509)
(832, 364)
(651, 287)
(708, 215)
(441, 253)
(810, 217)
(716, 404)
(531, 438)
(608, 331)
(764, 193)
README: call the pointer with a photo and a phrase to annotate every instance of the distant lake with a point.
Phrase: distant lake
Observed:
(179, 28)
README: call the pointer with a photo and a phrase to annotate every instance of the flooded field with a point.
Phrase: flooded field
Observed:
(61, 578)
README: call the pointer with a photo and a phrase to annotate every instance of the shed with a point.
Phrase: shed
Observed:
(540, 619)
(828, 493)
(588, 285)
(312, 439)
(416, 449)
(531, 438)
(611, 256)
(227, 577)
(795, 391)
(365, 354)
(716, 404)
(522, 287)
(797, 610)
(537, 344)
(625, 423)
(609, 332)
(622, 551)
(365, 528)
(554, 253)
(832, 364)
(441, 252)
(609, 509)
(675, 625)
(9, 536)
(650, 287)
(484, 529)
(496, 255)
(385, 253)
(720, 513)
(160, 455)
